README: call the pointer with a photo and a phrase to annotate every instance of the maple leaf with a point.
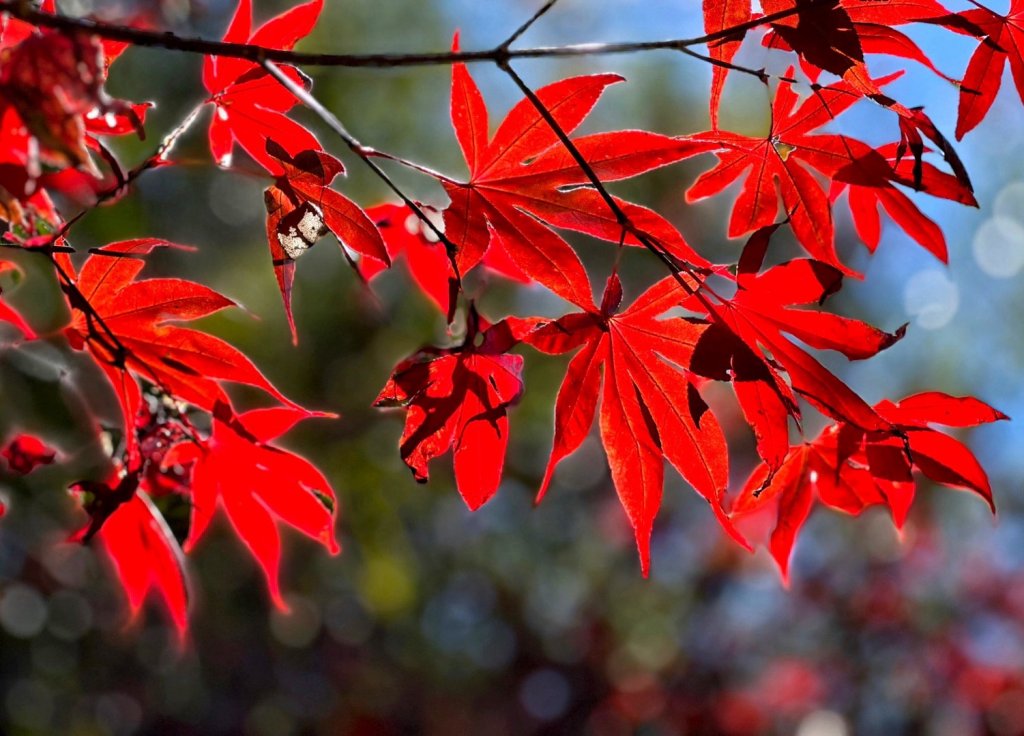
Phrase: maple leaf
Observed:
(778, 165)
(748, 345)
(25, 207)
(870, 178)
(848, 469)
(835, 37)
(13, 30)
(522, 178)
(147, 558)
(302, 208)
(720, 15)
(829, 36)
(135, 334)
(257, 484)
(141, 547)
(458, 399)
(1002, 38)
(651, 410)
(27, 452)
(249, 105)
(406, 236)
(875, 24)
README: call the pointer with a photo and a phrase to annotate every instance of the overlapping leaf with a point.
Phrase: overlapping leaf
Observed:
(779, 165)
(848, 469)
(518, 180)
(129, 327)
(749, 345)
(250, 105)
(458, 399)
(407, 237)
(651, 410)
(54, 80)
(258, 484)
(302, 208)
(870, 178)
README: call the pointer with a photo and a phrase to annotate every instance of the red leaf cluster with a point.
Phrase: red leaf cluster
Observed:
(534, 189)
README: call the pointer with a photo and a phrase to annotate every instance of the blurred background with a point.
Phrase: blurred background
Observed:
(515, 619)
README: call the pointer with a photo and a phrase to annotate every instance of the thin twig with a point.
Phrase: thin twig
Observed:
(152, 161)
(526, 26)
(433, 173)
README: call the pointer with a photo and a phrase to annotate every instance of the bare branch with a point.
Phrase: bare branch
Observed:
(259, 54)
(153, 160)
(526, 26)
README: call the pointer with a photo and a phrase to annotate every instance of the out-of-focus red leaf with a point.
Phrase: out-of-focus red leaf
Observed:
(7, 312)
(55, 83)
(258, 484)
(27, 452)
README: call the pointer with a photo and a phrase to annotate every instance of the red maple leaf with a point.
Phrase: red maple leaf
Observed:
(136, 334)
(835, 37)
(651, 410)
(522, 178)
(55, 82)
(779, 165)
(828, 36)
(721, 15)
(257, 484)
(406, 236)
(146, 557)
(249, 105)
(302, 208)
(458, 399)
(748, 345)
(1002, 41)
(849, 470)
(870, 178)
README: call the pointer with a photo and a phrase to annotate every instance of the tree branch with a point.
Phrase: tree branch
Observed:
(260, 54)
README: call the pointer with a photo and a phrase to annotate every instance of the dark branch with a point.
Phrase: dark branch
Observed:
(526, 26)
(259, 54)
